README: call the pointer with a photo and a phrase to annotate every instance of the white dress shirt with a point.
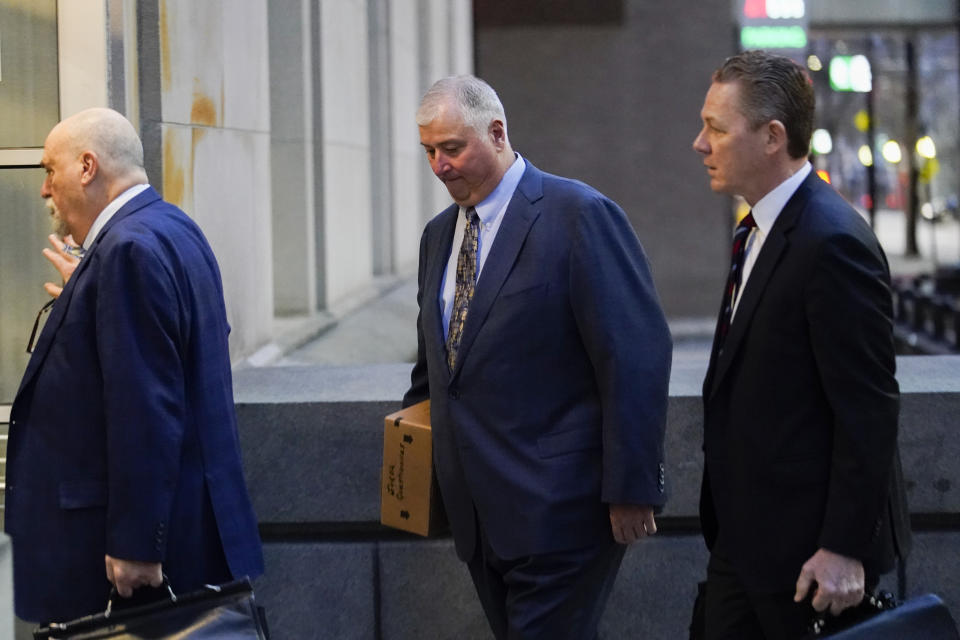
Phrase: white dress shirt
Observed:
(490, 212)
(765, 213)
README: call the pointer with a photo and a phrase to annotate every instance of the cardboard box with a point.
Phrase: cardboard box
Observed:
(409, 498)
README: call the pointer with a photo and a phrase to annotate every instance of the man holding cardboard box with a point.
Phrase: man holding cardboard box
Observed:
(546, 358)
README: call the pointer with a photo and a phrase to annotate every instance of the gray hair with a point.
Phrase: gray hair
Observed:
(478, 103)
(111, 136)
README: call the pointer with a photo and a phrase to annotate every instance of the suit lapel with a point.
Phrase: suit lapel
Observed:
(519, 217)
(437, 257)
(60, 307)
(776, 242)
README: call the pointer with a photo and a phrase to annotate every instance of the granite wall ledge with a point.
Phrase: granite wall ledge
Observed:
(312, 443)
(312, 438)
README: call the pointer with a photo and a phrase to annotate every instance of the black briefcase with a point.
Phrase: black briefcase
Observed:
(216, 611)
(921, 618)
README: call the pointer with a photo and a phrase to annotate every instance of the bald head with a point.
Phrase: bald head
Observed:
(91, 158)
(107, 134)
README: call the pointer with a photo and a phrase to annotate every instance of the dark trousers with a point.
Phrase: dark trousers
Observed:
(549, 596)
(734, 613)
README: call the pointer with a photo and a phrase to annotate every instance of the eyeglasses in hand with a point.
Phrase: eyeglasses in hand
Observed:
(36, 324)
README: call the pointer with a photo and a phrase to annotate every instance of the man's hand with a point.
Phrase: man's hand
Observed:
(127, 575)
(61, 260)
(630, 522)
(839, 581)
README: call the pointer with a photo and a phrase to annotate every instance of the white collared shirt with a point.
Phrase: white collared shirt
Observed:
(104, 216)
(765, 213)
(490, 212)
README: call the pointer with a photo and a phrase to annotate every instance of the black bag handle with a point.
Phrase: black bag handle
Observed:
(114, 594)
(823, 623)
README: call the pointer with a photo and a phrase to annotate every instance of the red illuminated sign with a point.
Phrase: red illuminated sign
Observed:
(755, 8)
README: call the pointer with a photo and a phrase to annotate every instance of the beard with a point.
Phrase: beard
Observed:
(57, 223)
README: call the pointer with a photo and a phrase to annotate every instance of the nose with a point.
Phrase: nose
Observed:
(440, 164)
(45, 188)
(700, 143)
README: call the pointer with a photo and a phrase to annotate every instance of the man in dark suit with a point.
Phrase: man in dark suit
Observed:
(801, 493)
(123, 457)
(546, 357)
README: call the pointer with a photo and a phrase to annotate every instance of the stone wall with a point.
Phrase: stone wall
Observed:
(312, 440)
(617, 105)
(286, 130)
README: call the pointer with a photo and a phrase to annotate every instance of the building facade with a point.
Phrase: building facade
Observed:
(285, 128)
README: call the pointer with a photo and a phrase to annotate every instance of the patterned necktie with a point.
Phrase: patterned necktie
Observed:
(736, 272)
(466, 280)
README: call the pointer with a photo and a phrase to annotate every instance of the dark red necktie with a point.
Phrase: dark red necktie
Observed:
(736, 273)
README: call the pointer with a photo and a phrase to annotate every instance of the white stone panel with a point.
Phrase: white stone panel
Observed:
(407, 158)
(294, 238)
(347, 222)
(461, 40)
(403, 25)
(346, 201)
(82, 40)
(436, 62)
(229, 198)
(178, 149)
(409, 210)
(345, 77)
(246, 103)
(192, 61)
(436, 31)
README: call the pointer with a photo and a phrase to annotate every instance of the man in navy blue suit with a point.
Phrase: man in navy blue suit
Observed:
(546, 358)
(123, 458)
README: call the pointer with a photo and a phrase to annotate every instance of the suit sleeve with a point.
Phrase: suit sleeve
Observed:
(625, 334)
(849, 309)
(139, 334)
(419, 382)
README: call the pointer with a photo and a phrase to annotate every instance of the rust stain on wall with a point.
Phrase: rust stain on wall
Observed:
(165, 71)
(203, 111)
(196, 135)
(174, 180)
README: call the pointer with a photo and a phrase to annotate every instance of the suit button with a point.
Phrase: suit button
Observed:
(455, 394)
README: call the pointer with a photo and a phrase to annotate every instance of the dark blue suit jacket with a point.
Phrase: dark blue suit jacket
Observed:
(801, 405)
(123, 438)
(557, 405)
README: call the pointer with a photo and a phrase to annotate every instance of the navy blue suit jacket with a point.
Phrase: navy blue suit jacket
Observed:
(557, 405)
(123, 437)
(801, 406)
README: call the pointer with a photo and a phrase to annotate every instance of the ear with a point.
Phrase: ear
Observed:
(498, 133)
(89, 165)
(776, 137)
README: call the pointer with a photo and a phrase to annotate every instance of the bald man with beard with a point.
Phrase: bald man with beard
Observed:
(123, 459)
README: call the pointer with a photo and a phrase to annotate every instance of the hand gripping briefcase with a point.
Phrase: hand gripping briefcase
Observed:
(921, 618)
(224, 611)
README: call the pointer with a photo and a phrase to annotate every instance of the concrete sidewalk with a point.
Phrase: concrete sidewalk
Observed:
(383, 330)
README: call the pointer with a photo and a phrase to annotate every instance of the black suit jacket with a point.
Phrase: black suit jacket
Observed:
(557, 404)
(801, 404)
